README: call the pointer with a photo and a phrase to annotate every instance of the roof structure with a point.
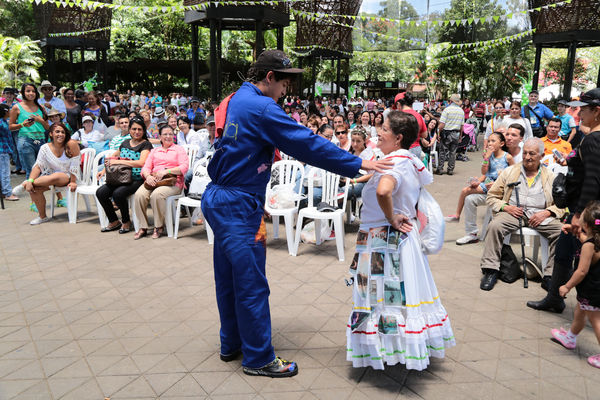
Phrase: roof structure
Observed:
(577, 21)
(329, 38)
(239, 15)
(61, 19)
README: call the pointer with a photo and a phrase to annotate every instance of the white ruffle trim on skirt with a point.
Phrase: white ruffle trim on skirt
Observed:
(397, 316)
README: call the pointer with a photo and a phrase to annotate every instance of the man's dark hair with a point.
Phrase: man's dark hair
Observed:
(256, 75)
(519, 127)
(554, 119)
(405, 124)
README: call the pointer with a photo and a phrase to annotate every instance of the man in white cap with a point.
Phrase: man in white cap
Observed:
(48, 99)
(450, 128)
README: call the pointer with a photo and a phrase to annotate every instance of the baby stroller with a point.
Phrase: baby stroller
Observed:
(468, 141)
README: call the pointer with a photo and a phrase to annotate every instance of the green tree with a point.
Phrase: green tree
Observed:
(557, 68)
(16, 19)
(20, 59)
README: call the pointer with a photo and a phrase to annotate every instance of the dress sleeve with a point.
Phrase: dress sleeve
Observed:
(74, 163)
(42, 159)
(147, 168)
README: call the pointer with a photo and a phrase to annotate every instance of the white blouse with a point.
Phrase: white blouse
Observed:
(50, 164)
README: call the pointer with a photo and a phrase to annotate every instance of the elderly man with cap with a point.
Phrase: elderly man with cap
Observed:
(536, 113)
(450, 129)
(250, 125)
(48, 100)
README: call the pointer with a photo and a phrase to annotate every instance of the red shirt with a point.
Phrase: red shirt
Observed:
(422, 126)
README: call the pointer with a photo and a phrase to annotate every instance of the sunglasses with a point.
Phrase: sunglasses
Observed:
(341, 133)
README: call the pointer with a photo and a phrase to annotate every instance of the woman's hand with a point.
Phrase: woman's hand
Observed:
(160, 174)
(29, 186)
(72, 186)
(37, 118)
(379, 165)
(100, 175)
(401, 223)
(28, 122)
(151, 180)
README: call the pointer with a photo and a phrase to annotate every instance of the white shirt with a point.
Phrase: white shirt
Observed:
(93, 136)
(56, 103)
(410, 174)
(508, 121)
(192, 137)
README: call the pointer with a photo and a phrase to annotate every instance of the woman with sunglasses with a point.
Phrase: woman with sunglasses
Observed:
(495, 122)
(341, 134)
(133, 153)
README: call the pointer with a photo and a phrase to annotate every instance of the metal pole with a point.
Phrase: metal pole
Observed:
(194, 60)
(332, 65)
(71, 68)
(260, 40)
(105, 76)
(536, 66)
(313, 78)
(82, 63)
(280, 38)
(570, 70)
(219, 64)
(300, 59)
(213, 60)
(337, 90)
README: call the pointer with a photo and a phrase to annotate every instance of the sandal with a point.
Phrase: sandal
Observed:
(158, 232)
(111, 228)
(140, 234)
(594, 361)
(125, 230)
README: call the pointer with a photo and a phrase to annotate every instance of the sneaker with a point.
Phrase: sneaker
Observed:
(560, 336)
(19, 190)
(468, 239)
(61, 203)
(452, 218)
(594, 361)
(230, 357)
(38, 220)
(279, 368)
(33, 208)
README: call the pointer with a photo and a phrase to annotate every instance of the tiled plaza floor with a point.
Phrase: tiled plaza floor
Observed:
(90, 315)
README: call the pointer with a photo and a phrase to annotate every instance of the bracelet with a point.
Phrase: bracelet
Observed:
(485, 162)
(31, 180)
(354, 181)
(168, 171)
(502, 208)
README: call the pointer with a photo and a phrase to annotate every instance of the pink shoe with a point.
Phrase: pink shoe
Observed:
(594, 361)
(560, 336)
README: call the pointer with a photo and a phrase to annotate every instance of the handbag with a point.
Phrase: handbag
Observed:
(118, 174)
(540, 130)
(167, 180)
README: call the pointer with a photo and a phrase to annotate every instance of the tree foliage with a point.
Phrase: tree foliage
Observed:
(20, 59)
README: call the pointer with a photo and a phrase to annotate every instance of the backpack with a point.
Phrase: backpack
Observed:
(431, 223)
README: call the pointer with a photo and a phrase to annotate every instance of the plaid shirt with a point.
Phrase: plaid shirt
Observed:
(5, 138)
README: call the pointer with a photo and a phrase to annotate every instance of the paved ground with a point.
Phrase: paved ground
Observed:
(89, 315)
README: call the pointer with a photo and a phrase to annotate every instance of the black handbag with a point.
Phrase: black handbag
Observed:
(118, 174)
(559, 191)
(540, 130)
(510, 269)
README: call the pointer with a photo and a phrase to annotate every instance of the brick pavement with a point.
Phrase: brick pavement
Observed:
(89, 315)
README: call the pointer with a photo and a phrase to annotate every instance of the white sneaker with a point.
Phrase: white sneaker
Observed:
(467, 239)
(452, 218)
(19, 190)
(38, 220)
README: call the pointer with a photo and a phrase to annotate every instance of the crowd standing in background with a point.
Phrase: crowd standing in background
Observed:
(43, 128)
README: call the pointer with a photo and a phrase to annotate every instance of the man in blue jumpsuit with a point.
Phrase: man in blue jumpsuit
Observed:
(233, 204)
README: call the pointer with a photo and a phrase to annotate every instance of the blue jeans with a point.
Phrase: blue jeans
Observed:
(15, 155)
(28, 151)
(5, 174)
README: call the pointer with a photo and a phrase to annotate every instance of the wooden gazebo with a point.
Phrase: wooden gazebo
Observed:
(569, 26)
(53, 19)
(233, 17)
(326, 38)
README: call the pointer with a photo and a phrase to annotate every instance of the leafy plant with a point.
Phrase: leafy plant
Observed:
(20, 59)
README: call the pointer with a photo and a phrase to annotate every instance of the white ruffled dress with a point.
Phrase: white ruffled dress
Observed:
(397, 314)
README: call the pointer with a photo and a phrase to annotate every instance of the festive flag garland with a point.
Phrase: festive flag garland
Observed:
(105, 28)
(424, 22)
(497, 43)
(92, 5)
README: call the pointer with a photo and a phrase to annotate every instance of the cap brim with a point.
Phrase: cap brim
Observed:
(577, 104)
(290, 70)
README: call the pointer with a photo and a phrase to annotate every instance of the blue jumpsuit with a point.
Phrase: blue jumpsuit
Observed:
(233, 205)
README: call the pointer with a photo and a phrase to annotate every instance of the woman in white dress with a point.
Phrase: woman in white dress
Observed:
(57, 164)
(397, 315)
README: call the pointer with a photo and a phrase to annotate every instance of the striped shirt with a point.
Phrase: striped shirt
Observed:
(453, 117)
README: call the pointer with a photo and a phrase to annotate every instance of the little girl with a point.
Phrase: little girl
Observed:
(495, 159)
(587, 280)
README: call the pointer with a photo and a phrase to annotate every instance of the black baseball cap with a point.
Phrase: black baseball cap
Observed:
(589, 98)
(10, 90)
(563, 102)
(276, 60)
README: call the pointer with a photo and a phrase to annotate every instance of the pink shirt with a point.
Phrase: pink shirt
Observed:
(161, 158)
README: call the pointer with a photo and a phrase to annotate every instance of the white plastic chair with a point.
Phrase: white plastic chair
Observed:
(171, 211)
(529, 236)
(289, 171)
(71, 197)
(330, 183)
(191, 150)
(433, 158)
(89, 183)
